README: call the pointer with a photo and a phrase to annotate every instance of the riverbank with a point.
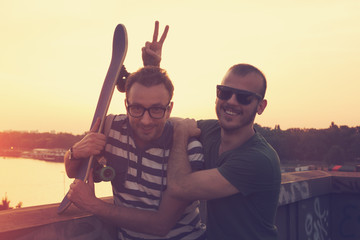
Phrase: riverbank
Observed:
(35, 182)
(51, 155)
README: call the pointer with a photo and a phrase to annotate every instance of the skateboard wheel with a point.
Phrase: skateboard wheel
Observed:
(107, 174)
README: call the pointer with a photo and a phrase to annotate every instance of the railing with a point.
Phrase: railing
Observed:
(312, 205)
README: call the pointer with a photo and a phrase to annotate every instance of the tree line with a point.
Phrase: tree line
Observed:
(334, 145)
(19, 141)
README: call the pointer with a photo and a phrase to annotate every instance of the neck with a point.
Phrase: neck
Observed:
(233, 139)
(140, 144)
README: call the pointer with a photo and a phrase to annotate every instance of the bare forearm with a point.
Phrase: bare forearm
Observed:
(145, 221)
(157, 223)
(178, 166)
(71, 166)
(132, 219)
(90, 145)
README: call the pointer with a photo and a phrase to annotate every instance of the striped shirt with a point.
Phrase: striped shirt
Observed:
(141, 177)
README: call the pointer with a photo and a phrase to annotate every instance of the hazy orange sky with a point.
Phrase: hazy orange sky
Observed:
(54, 57)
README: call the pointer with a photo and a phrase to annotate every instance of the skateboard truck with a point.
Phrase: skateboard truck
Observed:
(120, 83)
(102, 172)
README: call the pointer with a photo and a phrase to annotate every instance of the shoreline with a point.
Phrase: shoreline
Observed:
(57, 160)
(48, 155)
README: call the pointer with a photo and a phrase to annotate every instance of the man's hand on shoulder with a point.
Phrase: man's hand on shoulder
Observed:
(185, 126)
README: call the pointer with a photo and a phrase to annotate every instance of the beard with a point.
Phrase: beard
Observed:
(144, 134)
(231, 124)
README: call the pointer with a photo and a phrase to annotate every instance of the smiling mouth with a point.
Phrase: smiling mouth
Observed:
(231, 111)
(147, 129)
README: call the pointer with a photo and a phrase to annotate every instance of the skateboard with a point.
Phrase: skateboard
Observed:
(114, 75)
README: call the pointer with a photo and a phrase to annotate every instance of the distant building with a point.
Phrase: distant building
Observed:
(55, 154)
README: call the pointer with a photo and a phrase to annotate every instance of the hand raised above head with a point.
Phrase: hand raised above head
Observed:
(151, 52)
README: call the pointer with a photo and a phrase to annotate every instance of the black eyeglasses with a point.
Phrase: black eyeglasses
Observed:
(137, 111)
(242, 96)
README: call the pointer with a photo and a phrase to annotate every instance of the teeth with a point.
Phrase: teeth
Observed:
(230, 112)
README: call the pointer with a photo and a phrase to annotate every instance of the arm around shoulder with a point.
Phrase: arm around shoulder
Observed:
(157, 223)
(187, 185)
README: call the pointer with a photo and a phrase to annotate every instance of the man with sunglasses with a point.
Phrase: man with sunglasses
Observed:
(137, 146)
(242, 179)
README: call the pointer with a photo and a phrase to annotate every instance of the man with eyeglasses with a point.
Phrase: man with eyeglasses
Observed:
(242, 179)
(137, 146)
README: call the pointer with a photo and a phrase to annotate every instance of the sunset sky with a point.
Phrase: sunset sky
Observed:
(54, 56)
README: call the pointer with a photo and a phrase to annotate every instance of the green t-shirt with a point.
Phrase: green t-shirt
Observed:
(254, 169)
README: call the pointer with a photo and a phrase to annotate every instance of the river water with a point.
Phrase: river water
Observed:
(36, 182)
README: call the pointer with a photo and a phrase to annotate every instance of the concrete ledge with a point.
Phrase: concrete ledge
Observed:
(43, 222)
(296, 186)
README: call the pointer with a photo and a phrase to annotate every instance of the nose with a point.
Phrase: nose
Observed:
(232, 100)
(146, 119)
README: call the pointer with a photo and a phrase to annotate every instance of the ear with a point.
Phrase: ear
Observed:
(125, 103)
(168, 112)
(261, 106)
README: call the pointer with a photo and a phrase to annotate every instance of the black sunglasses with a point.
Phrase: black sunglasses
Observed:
(242, 96)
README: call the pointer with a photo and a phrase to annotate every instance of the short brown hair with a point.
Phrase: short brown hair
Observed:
(150, 76)
(244, 69)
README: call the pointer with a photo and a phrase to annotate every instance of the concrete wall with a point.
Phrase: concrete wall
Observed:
(318, 205)
(312, 205)
(43, 223)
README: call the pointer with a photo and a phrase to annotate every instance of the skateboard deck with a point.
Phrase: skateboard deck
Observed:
(119, 50)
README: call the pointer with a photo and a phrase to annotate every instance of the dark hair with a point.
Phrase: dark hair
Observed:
(150, 76)
(244, 69)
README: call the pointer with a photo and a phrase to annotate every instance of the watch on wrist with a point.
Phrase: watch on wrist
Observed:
(71, 154)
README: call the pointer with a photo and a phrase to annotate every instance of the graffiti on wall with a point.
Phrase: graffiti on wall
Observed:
(317, 222)
(293, 192)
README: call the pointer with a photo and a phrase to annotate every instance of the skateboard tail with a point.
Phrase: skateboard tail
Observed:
(119, 51)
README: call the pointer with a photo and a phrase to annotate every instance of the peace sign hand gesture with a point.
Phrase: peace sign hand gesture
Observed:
(151, 53)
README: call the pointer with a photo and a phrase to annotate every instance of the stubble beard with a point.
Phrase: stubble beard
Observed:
(242, 123)
(143, 136)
